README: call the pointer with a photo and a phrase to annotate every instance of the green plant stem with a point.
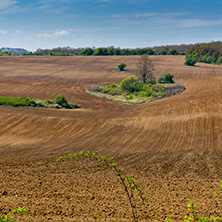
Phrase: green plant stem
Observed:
(212, 201)
(127, 192)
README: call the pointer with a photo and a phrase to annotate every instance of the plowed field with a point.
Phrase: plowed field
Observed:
(172, 146)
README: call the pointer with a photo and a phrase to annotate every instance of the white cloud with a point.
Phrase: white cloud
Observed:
(19, 31)
(57, 33)
(3, 32)
(6, 3)
(135, 16)
(145, 15)
(187, 23)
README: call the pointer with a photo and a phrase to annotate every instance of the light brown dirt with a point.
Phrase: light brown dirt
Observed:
(173, 146)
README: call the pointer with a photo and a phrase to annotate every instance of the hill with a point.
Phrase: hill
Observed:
(173, 146)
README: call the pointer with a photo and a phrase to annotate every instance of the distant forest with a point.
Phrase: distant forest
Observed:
(109, 51)
(201, 52)
(208, 52)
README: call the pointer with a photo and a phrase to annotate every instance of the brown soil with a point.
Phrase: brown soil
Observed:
(171, 146)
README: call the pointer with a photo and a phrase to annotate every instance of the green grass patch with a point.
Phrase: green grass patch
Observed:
(59, 103)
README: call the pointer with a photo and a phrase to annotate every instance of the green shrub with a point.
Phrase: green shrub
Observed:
(17, 101)
(147, 91)
(168, 78)
(112, 85)
(190, 60)
(121, 66)
(131, 85)
(60, 100)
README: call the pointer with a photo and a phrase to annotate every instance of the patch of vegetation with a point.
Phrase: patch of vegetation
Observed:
(135, 195)
(167, 78)
(17, 101)
(58, 103)
(121, 66)
(8, 217)
(132, 91)
(207, 53)
(190, 60)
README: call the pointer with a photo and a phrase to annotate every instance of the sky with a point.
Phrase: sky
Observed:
(33, 24)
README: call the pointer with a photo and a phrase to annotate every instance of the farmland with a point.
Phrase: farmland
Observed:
(172, 146)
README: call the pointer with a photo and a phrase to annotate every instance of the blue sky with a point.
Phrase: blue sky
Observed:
(33, 24)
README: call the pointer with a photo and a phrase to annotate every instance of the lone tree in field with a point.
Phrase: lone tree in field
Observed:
(144, 69)
(121, 66)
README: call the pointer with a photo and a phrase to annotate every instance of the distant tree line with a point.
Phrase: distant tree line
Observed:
(208, 53)
(109, 51)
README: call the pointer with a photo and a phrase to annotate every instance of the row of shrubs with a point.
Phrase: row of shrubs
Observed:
(58, 103)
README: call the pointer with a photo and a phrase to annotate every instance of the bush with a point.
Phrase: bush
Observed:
(190, 60)
(168, 78)
(60, 100)
(131, 85)
(121, 66)
(147, 91)
(112, 85)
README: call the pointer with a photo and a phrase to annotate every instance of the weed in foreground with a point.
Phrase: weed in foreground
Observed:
(131, 187)
(7, 218)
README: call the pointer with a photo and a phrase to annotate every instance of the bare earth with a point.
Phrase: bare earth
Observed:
(172, 146)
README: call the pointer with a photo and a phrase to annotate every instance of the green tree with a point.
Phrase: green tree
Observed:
(145, 69)
(162, 52)
(87, 51)
(190, 60)
(117, 52)
(110, 52)
(101, 51)
(172, 52)
(121, 66)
